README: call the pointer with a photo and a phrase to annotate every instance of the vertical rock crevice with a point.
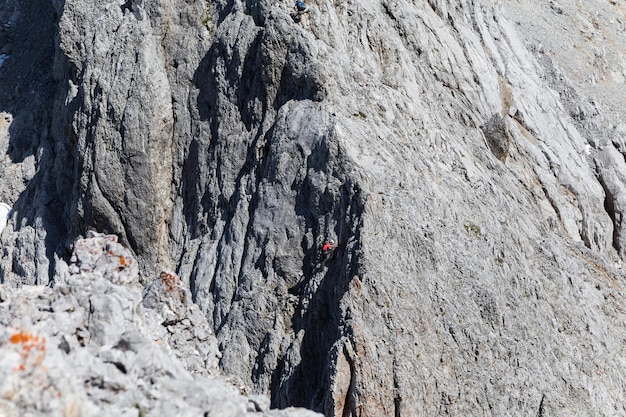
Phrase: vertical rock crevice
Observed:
(35, 167)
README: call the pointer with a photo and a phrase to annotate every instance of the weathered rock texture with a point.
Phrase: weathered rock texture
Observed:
(468, 162)
(91, 347)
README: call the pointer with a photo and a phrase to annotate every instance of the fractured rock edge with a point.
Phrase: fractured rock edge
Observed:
(98, 345)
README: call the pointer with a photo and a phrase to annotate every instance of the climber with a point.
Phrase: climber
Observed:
(300, 7)
(329, 247)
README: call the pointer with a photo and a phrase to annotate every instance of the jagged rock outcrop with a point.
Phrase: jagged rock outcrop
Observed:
(92, 347)
(453, 150)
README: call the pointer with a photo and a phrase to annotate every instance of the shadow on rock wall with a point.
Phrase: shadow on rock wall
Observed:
(326, 280)
(27, 89)
(262, 183)
(245, 78)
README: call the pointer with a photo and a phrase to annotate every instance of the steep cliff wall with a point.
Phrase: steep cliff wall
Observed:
(453, 150)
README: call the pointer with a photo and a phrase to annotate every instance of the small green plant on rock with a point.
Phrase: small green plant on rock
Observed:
(206, 19)
(472, 229)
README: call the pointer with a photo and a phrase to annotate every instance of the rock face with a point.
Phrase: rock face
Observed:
(467, 161)
(92, 347)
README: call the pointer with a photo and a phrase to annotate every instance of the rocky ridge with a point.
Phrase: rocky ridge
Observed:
(455, 155)
(99, 345)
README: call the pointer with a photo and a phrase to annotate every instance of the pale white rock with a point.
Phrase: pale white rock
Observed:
(5, 211)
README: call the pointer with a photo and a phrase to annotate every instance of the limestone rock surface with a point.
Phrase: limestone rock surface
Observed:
(92, 347)
(466, 156)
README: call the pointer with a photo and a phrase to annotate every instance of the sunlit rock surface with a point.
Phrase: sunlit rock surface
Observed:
(467, 158)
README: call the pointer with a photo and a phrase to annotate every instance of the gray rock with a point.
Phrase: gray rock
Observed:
(479, 261)
(88, 347)
(440, 245)
(497, 136)
(182, 325)
(102, 255)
